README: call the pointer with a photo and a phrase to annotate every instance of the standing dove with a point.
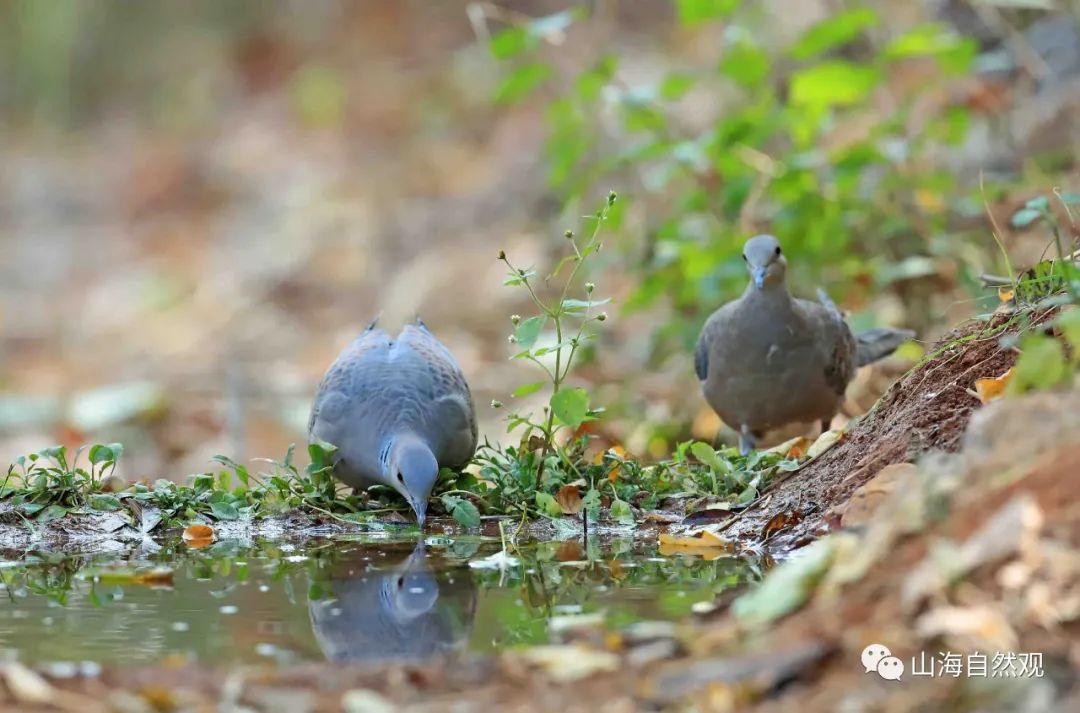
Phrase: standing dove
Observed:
(397, 410)
(768, 359)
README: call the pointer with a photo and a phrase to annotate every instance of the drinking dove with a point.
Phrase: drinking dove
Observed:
(397, 410)
(768, 359)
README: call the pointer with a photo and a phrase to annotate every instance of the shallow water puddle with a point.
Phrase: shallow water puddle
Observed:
(337, 599)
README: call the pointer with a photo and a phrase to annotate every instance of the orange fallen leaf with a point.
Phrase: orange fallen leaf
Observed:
(993, 387)
(614, 473)
(1006, 293)
(197, 536)
(569, 499)
(780, 521)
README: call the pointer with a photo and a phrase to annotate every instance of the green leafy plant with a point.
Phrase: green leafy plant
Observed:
(798, 147)
(46, 485)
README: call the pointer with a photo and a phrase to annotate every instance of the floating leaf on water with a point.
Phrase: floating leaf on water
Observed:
(992, 388)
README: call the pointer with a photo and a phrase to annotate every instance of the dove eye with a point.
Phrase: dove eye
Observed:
(777, 249)
(401, 478)
(744, 258)
(400, 582)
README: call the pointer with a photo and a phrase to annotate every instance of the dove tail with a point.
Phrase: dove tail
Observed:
(878, 343)
(372, 323)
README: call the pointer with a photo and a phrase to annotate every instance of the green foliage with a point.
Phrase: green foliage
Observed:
(573, 321)
(45, 486)
(799, 147)
(511, 481)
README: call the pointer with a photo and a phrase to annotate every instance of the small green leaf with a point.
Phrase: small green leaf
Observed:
(224, 511)
(528, 331)
(53, 512)
(528, 389)
(835, 31)
(466, 513)
(105, 502)
(548, 505)
(621, 512)
(508, 42)
(570, 406)
(100, 453)
(521, 82)
(954, 52)
(1024, 217)
(692, 12)
(746, 63)
(705, 453)
(571, 305)
(786, 587)
(675, 85)
(1069, 324)
(832, 83)
(1041, 364)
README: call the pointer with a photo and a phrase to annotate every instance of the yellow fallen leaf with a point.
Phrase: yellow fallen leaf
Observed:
(993, 387)
(570, 663)
(27, 686)
(1006, 293)
(823, 443)
(704, 538)
(793, 448)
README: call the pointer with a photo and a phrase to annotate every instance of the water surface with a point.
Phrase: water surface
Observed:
(336, 599)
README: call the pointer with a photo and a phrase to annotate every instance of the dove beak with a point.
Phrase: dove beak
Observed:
(759, 276)
(421, 511)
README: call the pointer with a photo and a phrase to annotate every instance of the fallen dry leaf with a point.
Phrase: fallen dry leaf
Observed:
(565, 664)
(197, 536)
(824, 442)
(704, 539)
(569, 499)
(793, 448)
(27, 686)
(992, 388)
(780, 521)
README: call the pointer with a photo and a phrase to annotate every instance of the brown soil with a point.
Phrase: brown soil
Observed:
(927, 410)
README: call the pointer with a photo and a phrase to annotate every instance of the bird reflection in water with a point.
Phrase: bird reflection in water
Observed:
(393, 607)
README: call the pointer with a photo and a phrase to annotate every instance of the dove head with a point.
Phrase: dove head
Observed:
(412, 470)
(765, 261)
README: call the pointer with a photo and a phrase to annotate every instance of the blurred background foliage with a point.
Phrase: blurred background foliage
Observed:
(202, 202)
